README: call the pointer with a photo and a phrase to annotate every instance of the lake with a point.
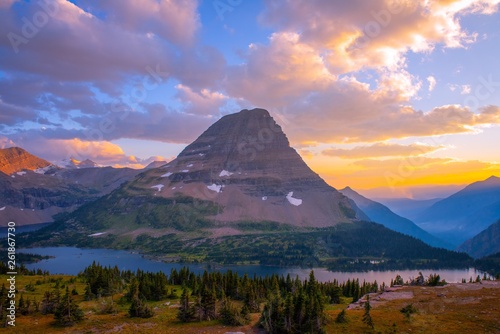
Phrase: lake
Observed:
(22, 229)
(72, 260)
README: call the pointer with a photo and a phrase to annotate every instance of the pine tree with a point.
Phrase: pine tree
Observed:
(186, 312)
(50, 301)
(208, 303)
(226, 313)
(341, 317)
(68, 312)
(367, 318)
(22, 306)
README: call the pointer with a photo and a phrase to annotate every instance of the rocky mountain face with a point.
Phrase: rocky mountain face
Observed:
(244, 164)
(16, 159)
(240, 175)
(485, 243)
(465, 213)
(381, 214)
(33, 190)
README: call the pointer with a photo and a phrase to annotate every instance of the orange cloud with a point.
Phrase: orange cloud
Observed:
(102, 152)
(278, 72)
(381, 150)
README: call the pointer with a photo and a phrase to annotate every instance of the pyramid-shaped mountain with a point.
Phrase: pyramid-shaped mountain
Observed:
(238, 194)
(244, 164)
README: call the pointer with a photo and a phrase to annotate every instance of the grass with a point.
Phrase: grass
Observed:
(454, 308)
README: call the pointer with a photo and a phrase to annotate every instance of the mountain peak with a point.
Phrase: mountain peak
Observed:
(492, 178)
(491, 182)
(245, 164)
(72, 163)
(16, 159)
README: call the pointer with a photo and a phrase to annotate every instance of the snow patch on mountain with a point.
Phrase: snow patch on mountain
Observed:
(225, 173)
(158, 187)
(292, 200)
(215, 187)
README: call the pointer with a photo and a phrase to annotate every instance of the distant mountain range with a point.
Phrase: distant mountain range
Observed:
(464, 214)
(483, 244)
(407, 207)
(239, 178)
(33, 190)
(381, 214)
(239, 192)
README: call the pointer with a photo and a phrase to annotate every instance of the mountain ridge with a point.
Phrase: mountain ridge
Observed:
(33, 190)
(17, 160)
(381, 214)
(465, 213)
(485, 243)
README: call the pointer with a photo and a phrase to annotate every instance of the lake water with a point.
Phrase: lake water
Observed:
(71, 260)
(22, 229)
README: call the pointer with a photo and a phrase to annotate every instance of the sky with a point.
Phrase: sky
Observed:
(391, 97)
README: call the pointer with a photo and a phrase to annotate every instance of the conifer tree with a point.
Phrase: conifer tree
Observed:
(186, 311)
(341, 317)
(68, 312)
(367, 318)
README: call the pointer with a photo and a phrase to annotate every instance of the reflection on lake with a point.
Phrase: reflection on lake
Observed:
(71, 260)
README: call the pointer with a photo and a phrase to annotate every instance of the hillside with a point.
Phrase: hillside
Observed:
(465, 213)
(485, 243)
(381, 214)
(407, 207)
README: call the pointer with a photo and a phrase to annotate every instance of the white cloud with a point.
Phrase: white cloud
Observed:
(465, 89)
(432, 82)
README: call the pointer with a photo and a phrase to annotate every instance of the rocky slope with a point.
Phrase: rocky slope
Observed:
(16, 159)
(244, 164)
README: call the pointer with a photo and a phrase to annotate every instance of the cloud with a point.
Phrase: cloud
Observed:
(102, 152)
(465, 89)
(275, 73)
(413, 162)
(381, 150)
(6, 142)
(155, 122)
(309, 70)
(109, 44)
(11, 114)
(357, 34)
(174, 20)
(203, 102)
(432, 82)
(75, 45)
(351, 112)
(6, 3)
